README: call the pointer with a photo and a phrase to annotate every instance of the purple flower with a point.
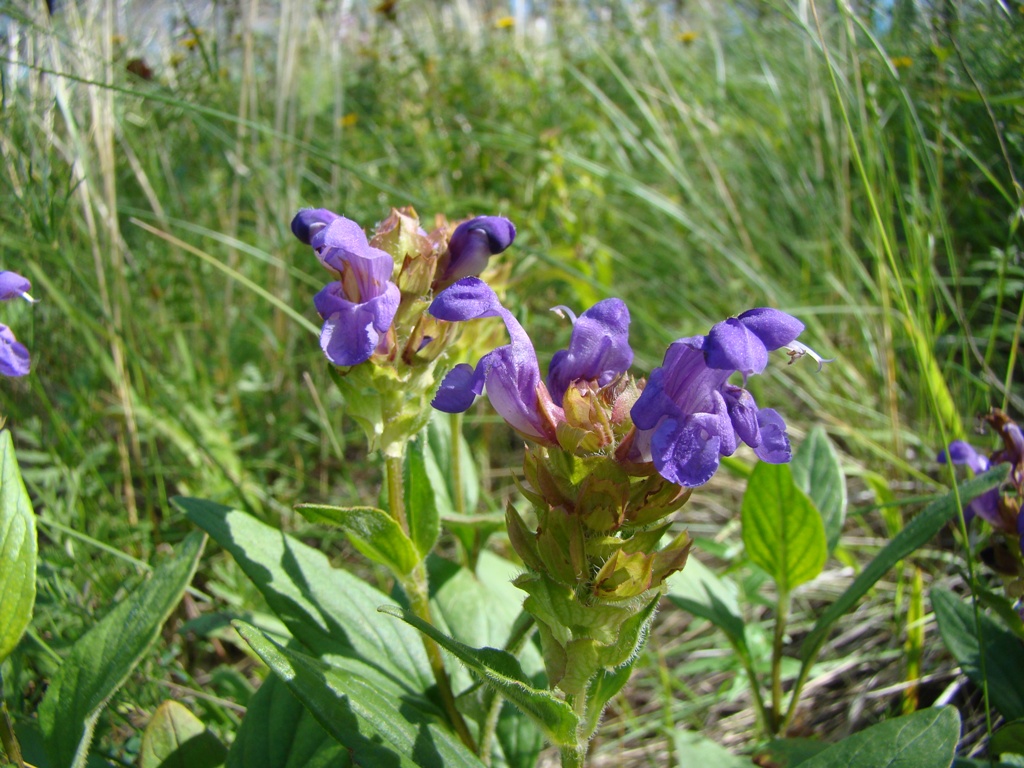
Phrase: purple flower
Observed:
(473, 242)
(14, 360)
(599, 351)
(985, 506)
(689, 415)
(989, 506)
(359, 307)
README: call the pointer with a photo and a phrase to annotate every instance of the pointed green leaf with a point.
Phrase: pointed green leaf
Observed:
(17, 550)
(698, 590)
(1003, 652)
(925, 739)
(101, 659)
(421, 499)
(782, 531)
(375, 728)
(916, 533)
(372, 531)
(279, 732)
(818, 473)
(175, 738)
(328, 610)
(502, 671)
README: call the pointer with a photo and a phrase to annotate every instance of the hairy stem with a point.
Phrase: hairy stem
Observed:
(575, 755)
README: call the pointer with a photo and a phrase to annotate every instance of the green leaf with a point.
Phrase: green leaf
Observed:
(693, 749)
(1003, 651)
(818, 473)
(782, 531)
(789, 753)
(101, 659)
(328, 610)
(520, 739)
(376, 729)
(606, 683)
(175, 738)
(421, 502)
(279, 732)
(698, 590)
(372, 531)
(916, 533)
(1008, 740)
(925, 739)
(17, 550)
(502, 671)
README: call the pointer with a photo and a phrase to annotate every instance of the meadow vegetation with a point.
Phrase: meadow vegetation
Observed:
(853, 165)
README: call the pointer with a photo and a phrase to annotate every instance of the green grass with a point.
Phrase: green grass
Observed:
(781, 159)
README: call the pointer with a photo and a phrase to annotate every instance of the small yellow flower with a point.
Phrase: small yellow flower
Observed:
(505, 22)
(189, 42)
(901, 62)
(686, 37)
(348, 120)
(117, 39)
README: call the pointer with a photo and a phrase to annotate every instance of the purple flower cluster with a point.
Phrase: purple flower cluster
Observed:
(14, 360)
(996, 507)
(359, 307)
(687, 416)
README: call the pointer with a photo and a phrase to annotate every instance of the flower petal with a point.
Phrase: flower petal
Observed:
(473, 242)
(773, 327)
(684, 454)
(468, 299)
(14, 360)
(732, 346)
(309, 221)
(459, 388)
(962, 453)
(774, 447)
(13, 286)
(352, 330)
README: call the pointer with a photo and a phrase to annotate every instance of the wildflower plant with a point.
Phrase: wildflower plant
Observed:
(609, 459)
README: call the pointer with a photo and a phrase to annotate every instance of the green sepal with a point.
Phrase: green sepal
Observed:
(372, 531)
(623, 576)
(523, 540)
(562, 546)
(501, 670)
(556, 605)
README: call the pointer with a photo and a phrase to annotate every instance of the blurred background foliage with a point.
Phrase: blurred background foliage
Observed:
(856, 164)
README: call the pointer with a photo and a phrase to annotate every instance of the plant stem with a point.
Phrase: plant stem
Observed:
(575, 755)
(7, 737)
(521, 630)
(415, 585)
(776, 720)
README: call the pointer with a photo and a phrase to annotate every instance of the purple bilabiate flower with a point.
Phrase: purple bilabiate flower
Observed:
(599, 351)
(14, 359)
(689, 415)
(474, 242)
(985, 506)
(359, 307)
